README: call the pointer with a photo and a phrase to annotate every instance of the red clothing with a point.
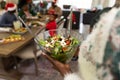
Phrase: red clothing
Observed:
(51, 26)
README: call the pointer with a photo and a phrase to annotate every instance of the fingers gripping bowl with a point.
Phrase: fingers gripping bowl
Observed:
(60, 44)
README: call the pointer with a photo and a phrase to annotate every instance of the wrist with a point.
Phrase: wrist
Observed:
(65, 70)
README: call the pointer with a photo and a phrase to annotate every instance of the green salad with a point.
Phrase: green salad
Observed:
(59, 47)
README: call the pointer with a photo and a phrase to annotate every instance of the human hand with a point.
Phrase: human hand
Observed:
(62, 68)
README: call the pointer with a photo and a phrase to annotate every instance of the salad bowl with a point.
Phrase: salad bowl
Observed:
(60, 44)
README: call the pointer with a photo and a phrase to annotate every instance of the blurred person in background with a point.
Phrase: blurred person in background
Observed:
(32, 7)
(2, 7)
(30, 4)
(55, 8)
(25, 12)
(43, 6)
(9, 16)
(51, 25)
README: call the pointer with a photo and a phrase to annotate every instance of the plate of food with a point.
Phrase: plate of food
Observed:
(19, 31)
(61, 45)
(12, 38)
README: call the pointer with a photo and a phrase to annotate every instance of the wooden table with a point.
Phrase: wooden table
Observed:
(9, 49)
(43, 18)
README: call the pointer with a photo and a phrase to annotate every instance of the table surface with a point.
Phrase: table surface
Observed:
(10, 48)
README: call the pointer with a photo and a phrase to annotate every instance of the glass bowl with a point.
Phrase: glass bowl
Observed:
(60, 44)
